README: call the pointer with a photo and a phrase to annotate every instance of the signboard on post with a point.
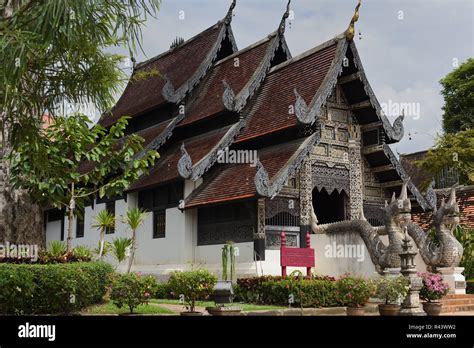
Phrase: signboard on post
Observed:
(296, 257)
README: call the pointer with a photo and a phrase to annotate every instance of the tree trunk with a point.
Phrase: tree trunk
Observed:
(70, 218)
(132, 252)
(21, 222)
(101, 247)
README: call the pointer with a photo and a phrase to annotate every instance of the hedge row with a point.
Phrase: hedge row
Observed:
(318, 292)
(51, 289)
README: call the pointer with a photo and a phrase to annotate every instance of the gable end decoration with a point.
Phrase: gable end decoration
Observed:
(175, 96)
(266, 187)
(308, 114)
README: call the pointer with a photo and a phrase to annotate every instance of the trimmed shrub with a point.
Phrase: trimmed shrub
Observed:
(132, 290)
(250, 289)
(193, 285)
(51, 289)
(17, 287)
(306, 293)
(163, 291)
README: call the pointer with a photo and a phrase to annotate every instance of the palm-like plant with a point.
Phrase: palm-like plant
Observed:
(119, 248)
(134, 219)
(57, 248)
(102, 222)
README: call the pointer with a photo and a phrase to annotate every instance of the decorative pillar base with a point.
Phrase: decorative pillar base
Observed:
(412, 312)
(391, 272)
(453, 276)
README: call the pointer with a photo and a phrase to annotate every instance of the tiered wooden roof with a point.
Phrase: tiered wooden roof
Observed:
(257, 98)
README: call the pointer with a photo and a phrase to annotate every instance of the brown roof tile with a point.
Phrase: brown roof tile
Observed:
(166, 168)
(236, 181)
(150, 133)
(209, 100)
(465, 200)
(178, 65)
(270, 111)
(416, 174)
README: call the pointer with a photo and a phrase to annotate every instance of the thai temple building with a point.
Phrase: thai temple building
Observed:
(251, 142)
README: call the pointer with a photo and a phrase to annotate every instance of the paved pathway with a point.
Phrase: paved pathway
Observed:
(335, 311)
(176, 308)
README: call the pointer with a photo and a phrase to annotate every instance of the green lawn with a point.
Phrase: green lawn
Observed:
(245, 306)
(110, 308)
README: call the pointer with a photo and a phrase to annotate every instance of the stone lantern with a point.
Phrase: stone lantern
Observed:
(411, 304)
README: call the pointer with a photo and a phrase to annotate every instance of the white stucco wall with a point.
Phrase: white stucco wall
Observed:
(53, 231)
(174, 248)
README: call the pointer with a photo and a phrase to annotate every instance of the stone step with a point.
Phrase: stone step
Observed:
(457, 302)
(458, 296)
(457, 308)
(453, 303)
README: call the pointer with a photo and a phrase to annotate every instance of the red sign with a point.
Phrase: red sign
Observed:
(296, 257)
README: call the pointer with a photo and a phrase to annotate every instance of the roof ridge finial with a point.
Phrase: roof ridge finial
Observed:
(228, 17)
(351, 29)
(282, 27)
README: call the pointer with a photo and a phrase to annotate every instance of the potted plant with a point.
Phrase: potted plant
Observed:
(355, 293)
(223, 290)
(192, 286)
(433, 290)
(392, 290)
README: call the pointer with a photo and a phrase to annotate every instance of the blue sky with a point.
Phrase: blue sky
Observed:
(407, 46)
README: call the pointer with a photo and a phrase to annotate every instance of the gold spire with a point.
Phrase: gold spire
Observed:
(351, 29)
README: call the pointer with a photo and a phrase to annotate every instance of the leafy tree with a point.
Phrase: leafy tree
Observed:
(458, 93)
(69, 164)
(134, 219)
(454, 151)
(53, 53)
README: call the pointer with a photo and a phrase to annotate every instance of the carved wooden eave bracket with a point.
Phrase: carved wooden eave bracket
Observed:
(206, 163)
(394, 132)
(427, 202)
(173, 95)
(185, 164)
(271, 187)
(307, 114)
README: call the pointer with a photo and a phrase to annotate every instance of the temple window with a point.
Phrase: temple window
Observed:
(159, 223)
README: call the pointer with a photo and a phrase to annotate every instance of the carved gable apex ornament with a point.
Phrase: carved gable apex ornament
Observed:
(351, 29)
(282, 27)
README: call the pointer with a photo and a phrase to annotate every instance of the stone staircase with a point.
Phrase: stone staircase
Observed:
(457, 303)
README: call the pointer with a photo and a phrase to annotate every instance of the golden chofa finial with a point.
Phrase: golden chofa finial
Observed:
(351, 29)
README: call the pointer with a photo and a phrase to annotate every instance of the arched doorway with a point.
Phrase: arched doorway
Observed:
(329, 207)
